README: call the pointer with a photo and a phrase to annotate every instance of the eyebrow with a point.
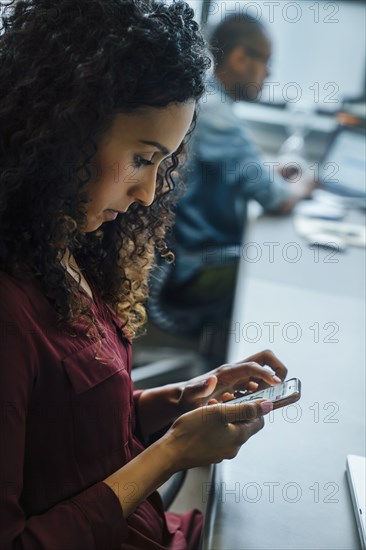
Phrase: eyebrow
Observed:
(157, 145)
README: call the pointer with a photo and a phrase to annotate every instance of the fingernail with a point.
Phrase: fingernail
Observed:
(276, 379)
(206, 382)
(266, 406)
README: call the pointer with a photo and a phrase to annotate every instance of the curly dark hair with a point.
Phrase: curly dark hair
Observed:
(67, 67)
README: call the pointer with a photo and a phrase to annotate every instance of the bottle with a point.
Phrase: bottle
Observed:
(292, 153)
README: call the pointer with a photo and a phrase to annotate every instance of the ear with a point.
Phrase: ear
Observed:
(238, 60)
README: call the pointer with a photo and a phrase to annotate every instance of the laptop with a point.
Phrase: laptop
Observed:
(342, 170)
(356, 475)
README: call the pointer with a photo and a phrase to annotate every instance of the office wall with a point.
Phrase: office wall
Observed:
(318, 45)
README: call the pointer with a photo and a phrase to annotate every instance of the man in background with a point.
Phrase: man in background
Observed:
(224, 169)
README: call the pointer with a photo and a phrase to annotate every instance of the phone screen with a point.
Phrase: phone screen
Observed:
(274, 393)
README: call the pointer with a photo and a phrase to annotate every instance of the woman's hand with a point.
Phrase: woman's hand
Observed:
(212, 433)
(224, 382)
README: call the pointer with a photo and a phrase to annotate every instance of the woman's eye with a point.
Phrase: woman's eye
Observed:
(139, 161)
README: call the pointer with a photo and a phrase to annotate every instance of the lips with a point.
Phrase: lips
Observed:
(111, 214)
(118, 211)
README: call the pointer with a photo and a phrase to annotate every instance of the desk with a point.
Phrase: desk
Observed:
(286, 489)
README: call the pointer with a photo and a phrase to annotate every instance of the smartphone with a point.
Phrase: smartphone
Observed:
(281, 395)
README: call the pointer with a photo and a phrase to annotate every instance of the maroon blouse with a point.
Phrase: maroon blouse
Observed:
(68, 421)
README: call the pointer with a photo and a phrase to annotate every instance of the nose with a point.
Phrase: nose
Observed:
(144, 191)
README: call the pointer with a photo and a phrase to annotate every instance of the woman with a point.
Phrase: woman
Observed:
(97, 98)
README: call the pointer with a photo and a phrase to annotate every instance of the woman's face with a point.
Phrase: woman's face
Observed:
(129, 156)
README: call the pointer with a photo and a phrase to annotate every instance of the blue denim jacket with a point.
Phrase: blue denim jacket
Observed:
(223, 170)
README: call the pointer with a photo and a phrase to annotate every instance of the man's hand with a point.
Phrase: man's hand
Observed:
(301, 184)
(300, 190)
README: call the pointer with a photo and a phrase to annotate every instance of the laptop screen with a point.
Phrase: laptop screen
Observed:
(343, 169)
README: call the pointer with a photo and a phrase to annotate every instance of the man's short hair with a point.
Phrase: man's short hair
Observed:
(234, 30)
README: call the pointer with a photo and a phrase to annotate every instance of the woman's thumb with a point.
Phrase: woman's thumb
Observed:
(203, 388)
